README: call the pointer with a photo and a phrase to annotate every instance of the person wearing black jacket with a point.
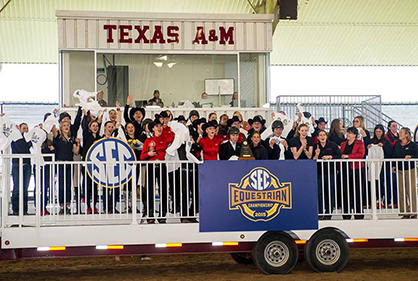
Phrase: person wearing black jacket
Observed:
(326, 150)
(65, 146)
(21, 146)
(135, 115)
(406, 149)
(380, 140)
(392, 136)
(277, 146)
(230, 147)
(90, 136)
(257, 125)
(336, 132)
(259, 151)
(64, 116)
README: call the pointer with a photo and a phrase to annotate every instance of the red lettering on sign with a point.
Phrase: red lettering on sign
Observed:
(200, 36)
(123, 30)
(225, 35)
(171, 32)
(141, 33)
(212, 35)
(109, 29)
(158, 35)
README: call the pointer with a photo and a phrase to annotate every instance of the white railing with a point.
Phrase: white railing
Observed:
(167, 191)
(67, 194)
(377, 189)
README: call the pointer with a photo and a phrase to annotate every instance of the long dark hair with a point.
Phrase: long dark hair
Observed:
(375, 140)
(335, 128)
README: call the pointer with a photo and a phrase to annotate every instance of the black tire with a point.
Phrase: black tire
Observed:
(275, 253)
(327, 251)
(242, 258)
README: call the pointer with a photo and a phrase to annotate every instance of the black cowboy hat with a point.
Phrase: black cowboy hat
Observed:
(321, 120)
(209, 124)
(164, 114)
(135, 109)
(152, 124)
(198, 122)
(63, 115)
(180, 118)
(231, 121)
(256, 119)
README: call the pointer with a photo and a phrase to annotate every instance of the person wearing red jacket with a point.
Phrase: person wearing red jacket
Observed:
(211, 142)
(354, 184)
(153, 150)
(167, 132)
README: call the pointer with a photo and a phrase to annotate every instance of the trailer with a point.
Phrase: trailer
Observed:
(262, 212)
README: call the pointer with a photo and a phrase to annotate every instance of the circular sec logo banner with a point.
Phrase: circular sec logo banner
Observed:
(107, 159)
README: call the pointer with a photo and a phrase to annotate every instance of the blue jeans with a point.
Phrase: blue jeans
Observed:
(26, 169)
(328, 189)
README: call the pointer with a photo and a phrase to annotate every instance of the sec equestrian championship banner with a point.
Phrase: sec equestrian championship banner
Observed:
(258, 195)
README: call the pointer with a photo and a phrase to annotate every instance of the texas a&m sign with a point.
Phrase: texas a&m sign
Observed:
(139, 31)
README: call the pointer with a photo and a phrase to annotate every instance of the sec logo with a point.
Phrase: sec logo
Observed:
(260, 196)
(107, 167)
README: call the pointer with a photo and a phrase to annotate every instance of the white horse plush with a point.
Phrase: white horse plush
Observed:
(88, 101)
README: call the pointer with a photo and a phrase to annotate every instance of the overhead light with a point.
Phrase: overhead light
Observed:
(158, 64)
(171, 64)
(164, 58)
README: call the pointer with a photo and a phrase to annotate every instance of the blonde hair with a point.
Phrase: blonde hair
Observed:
(361, 119)
(60, 131)
(298, 129)
(408, 133)
(239, 114)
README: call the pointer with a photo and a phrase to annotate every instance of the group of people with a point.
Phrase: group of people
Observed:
(223, 138)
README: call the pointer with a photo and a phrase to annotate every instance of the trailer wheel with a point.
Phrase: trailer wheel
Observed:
(275, 253)
(242, 258)
(327, 251)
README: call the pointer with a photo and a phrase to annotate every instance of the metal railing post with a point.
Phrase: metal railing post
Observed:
(38, 189)
(373, 189)
(134, 195)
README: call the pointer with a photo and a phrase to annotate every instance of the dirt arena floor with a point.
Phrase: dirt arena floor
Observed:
(363, 265)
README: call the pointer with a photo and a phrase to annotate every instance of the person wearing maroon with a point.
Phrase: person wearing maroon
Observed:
(392, 137)
(210, 143)
(154, 150)
(354, 186)
(406, 149)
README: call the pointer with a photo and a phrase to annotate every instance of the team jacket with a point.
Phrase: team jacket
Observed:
(210, 147)
(226, 150)
(357, 153)
(168, 134)
(159, 144)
